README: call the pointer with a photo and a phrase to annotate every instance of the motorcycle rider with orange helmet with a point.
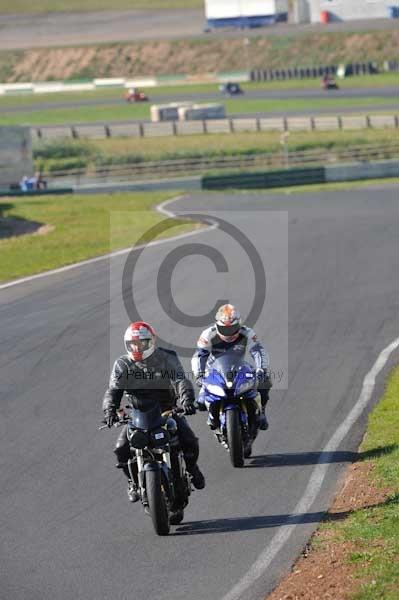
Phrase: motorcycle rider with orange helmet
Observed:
(228, 333)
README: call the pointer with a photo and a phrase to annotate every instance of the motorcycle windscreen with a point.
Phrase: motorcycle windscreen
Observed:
(229, 364)
(232, 367)
(146, 419)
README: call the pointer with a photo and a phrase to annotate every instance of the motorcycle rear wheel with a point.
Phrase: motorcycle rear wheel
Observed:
(157, 502)
(234, 438)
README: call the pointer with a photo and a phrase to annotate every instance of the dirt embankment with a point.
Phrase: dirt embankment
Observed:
(324, 572)
(196, 56)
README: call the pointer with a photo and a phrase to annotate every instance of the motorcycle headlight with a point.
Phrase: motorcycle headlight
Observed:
(138, 439)
(216, 390)
(159, 438)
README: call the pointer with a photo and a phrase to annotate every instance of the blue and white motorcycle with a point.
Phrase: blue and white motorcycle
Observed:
(231, 397)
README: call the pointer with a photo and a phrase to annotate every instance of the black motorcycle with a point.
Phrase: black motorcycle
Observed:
(157, 463)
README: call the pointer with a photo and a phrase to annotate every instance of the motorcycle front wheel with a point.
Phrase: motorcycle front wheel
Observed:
(157, 502)
(234, 438)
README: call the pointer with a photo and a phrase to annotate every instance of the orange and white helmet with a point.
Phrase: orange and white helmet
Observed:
(228, 322)
(139, 340)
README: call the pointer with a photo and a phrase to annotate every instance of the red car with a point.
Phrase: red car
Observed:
(134, 95)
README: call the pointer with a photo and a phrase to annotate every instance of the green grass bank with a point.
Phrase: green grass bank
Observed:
(90, 155)
(374, 531)
(80, 229)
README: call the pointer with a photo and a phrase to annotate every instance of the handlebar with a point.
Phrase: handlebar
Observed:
(173, 411)
(123, 418)
(116, 424)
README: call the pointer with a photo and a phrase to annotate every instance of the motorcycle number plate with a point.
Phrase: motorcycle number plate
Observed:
(159, 436)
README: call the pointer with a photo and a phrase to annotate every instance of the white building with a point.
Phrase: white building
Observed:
(342, 10)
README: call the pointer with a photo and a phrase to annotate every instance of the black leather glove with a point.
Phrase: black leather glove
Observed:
(189, 407)
(262, 376)
(110, 417)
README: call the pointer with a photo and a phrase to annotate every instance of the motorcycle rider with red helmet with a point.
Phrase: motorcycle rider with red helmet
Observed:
(228, 333)
(144, 372)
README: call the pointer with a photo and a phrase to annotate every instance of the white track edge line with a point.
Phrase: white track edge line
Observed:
(160, 208)
(319, 472)
(316, 479)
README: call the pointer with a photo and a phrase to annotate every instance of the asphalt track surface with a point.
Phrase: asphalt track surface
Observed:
(67, 529)
(389, 92)
(63, 29)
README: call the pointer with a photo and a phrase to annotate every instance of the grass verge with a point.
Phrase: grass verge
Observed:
(354, 555)
(72, 154)
(374, 532)
(81, 229)
(116, 94)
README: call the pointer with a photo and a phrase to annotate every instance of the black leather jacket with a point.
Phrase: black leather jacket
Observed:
(160, 376)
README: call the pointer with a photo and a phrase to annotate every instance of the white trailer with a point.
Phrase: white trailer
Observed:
(202, 111)
(167, 112)
(245, 13)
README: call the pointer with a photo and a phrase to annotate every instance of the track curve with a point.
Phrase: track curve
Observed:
(66, 526)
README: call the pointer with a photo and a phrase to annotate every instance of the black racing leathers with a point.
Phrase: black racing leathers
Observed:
(160, 376)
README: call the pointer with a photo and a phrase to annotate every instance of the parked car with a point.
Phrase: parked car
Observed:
(329, 83)
(134, 95)
(231, 89)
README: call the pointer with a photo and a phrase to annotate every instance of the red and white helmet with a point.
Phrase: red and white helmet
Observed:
(228, 322)
(139, 340)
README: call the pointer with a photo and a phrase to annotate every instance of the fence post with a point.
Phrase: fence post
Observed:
(285, 124)
(174, 128)
(258, 125)
(107, 131)
(368, 121)
(74, 133)
(141, 130)
(396, 119)
(312, 124)
(339, 122)
(204, 127)
(231, 125)
(39, 133)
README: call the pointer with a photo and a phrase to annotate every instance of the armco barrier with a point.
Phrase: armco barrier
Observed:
(268, 179)
(370, 170)
(230, 125)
